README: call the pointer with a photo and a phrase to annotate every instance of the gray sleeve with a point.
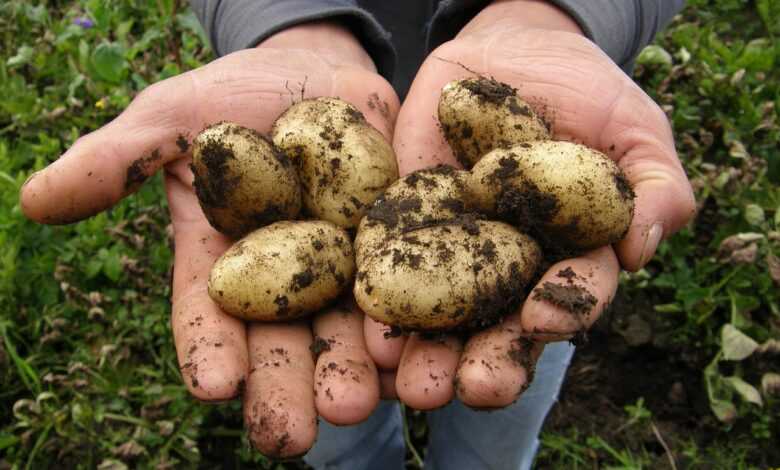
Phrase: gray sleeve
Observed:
(232, 25)
(621, 28)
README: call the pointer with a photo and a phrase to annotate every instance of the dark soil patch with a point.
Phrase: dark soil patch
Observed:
(572, 298)
(139, 170)
(624, 187)
(182, 143)
(318, 346)
(213, 183)
(489, 90)
(302, 280)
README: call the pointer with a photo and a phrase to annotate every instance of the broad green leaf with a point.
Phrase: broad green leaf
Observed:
(754, 214)
(745, 390)
(758, 55)
(7, 440)
(770, 384)
(112, 265)
(735, 344)
(99, 11)
(23, 55)
(724, 410)
(654, 55)
(123, 29)
(108, 61)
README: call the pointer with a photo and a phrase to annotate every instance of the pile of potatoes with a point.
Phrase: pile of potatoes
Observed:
(447, 249)
(440, 249)
(323, 162)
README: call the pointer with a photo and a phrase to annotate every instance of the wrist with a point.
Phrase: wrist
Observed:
(525, 14)
(330, 40)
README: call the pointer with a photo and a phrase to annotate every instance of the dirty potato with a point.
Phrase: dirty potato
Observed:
(421, 198)
(343, 162)
(566, 194)
(478, 115)
(241, 180)
(463, 274)
(283, 271)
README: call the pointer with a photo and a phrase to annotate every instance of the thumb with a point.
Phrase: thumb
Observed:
(108, 164)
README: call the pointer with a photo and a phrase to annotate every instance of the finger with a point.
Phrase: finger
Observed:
(279, 409)
(497, 365)
(112, 162)
(571, 295)
(210, 345)
(425, 374)
(664, 200)
(387, 384)
(346, 386)
(384, 344)
(418, 141)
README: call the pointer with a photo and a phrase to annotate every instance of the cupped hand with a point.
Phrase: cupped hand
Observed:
(540, 51)
(284, 388)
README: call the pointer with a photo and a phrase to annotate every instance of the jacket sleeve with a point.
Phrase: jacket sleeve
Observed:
(232, 25)
(621, 28)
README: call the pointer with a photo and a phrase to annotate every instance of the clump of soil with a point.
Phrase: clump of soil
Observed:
(138, 171)
(491, 306)
(182, 143)
(624, 187)
(319, 346)
(490, 90)
(572, 298)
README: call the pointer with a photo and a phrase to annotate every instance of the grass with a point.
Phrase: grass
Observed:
(87, 367)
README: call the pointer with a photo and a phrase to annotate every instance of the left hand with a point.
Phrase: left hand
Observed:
(538, 49)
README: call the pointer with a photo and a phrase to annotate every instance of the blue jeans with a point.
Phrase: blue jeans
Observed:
(459, 437)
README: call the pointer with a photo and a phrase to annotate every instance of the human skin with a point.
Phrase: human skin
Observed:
(541, 51)
(220, 356)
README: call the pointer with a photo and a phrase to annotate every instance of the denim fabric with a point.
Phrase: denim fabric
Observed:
(459, 437)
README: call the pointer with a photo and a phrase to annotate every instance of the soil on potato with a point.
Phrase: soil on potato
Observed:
(214, 187)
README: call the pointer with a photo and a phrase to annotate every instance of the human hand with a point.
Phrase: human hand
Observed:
(538, 49)
(220, 356)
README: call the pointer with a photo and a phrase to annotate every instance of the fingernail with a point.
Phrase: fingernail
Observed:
(652, 239)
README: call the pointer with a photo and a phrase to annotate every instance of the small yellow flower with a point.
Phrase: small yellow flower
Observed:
(101, 103)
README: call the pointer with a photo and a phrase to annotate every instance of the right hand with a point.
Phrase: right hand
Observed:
(219, 354)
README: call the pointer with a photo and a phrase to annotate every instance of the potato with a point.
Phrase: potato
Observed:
(421, 198)
(568, 195)
(283, 271)
(343, 162)
(458, 275)
(478, 115)
(241, 180)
